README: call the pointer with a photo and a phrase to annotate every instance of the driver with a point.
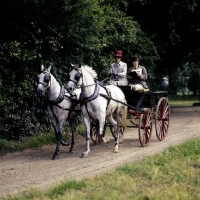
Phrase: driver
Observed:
(118, 70)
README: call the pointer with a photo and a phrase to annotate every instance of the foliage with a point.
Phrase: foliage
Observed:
(175, 28)
(48, 32)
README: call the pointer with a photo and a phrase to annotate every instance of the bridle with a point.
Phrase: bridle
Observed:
(47, 83)
(61, 95)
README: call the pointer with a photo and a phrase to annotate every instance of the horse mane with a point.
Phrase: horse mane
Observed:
(91, 71)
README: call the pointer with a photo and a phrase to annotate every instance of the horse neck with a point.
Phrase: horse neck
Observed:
(54, 89)
(88, 85)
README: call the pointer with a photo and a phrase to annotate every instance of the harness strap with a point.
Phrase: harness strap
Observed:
(108, 93)
(93, 96)
(60, 97)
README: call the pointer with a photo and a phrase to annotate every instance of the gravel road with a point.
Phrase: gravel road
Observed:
(34, 168)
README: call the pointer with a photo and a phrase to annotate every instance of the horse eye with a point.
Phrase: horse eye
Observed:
(46, 79)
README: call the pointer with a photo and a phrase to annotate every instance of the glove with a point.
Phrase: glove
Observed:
(110, 74)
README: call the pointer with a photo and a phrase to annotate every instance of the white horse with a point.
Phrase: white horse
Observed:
(61, 106)
(95, 105)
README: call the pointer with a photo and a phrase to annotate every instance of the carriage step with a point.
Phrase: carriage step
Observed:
(133, 112)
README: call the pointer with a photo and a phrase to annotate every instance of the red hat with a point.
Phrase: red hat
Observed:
(118, 53)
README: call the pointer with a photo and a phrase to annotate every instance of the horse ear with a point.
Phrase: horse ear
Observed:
(42, 67)
(49, 68)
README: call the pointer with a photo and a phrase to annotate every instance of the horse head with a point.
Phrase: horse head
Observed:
(43, 81)
(74, 77)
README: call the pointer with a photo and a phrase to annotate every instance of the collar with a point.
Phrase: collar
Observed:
(135, 67)
(120, 63)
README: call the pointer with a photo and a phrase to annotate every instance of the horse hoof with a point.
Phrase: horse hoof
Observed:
(71, 150)
(55, 156)
(65, 143)
(116, 150)
(121, 141)
(105, 140)
(84, 155)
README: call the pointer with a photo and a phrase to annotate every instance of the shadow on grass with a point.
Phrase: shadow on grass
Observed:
(196, 104)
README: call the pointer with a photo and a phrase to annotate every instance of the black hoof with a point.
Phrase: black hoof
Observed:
(65, 143)
(71, 150)
(55, 156)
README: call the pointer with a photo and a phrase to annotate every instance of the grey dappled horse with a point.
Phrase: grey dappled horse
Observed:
(96, 107)
(62, 106)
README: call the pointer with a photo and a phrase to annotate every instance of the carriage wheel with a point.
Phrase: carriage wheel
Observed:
(145, 128)
(94, 133)
(121, 131)
(162, 118)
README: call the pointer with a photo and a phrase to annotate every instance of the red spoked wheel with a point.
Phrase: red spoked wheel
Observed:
(121, 131)
(94, 133)
(145, 128)
(162, 118)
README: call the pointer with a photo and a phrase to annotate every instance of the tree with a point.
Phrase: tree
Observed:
(48, 32)
(175, 27)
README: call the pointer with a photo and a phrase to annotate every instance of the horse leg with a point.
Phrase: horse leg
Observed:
(112, 122)
(58, 138)
(87, 122)
(116, 147)
(101, 129)
(58, 128)
(118, 117)
(73, 130)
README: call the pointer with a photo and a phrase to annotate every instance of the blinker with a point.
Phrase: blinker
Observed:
(77, 76)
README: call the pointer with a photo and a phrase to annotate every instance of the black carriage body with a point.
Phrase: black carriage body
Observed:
(148, 98)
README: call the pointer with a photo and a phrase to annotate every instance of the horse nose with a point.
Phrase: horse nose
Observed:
(39, 92)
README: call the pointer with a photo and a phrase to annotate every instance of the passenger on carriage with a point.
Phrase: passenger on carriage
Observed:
(118, 70)
(137, 76)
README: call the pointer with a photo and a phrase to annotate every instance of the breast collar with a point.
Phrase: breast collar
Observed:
(93, 96)
(60, 97)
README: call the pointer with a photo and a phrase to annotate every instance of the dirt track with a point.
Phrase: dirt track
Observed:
(35, 169)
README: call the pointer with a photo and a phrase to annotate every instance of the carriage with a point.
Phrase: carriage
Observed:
(108, 103)
(101, 103)
(144, 107)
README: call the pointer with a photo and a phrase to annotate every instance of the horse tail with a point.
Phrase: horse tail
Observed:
(124, 114)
